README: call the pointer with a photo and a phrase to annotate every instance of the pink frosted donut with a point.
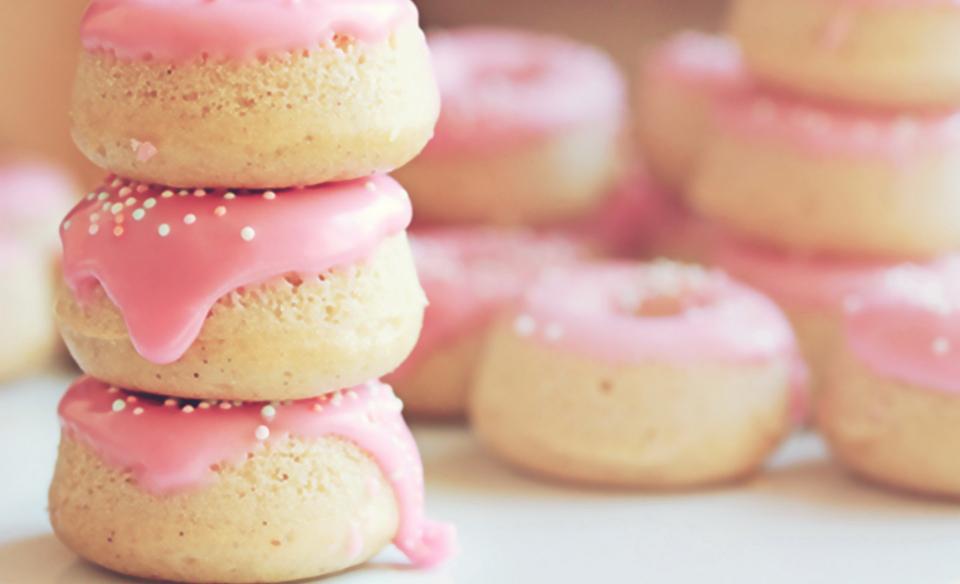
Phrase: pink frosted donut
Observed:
(256, 93)
(679, 83)
(469, 275)
(239, 295)
(204, 491)
(529, 131)
(828, 178)
(891, 402)
(658, 375)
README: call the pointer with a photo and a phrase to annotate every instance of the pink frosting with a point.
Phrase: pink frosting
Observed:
(470, 274)
(704, 62)
(800, 281)
(627, 313)
(502, 85)
(173, 30)
(908, 328)
(169, 446)
(834, 129)
(165, 257)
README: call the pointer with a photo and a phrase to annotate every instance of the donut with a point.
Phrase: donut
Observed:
(651, 376)
(679, 82)
(200, 491)
(469, 275)
(887, 53)
(27, 337)
(254, 94)
(821, 178)
(891, 403)
(529, 132)
(215, 294)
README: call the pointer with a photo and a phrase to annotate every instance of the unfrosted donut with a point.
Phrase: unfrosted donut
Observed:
(246, 295)
(199, 491)
(529, 132)
(255, 94)
(657, 376)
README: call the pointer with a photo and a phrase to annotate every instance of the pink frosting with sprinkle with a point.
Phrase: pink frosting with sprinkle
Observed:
(704, 62)
(470, 274)
(165, 257)
(174, 30)
(168, 450)
(612, 312)
(502, 85)
(908, 328)
(841, 130)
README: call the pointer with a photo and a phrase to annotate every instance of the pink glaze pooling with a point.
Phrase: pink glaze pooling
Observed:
(842, 130)
(908, 328)
(171, 448)
(704, 62)
(629, 313)
(499, 86)
(165, 257)
(177, 30)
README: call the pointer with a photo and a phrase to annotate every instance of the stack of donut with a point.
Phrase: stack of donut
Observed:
(231, 321)
(821, 141)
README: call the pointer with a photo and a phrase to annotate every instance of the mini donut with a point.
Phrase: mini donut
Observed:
(253, 94)
(246, 296)
(27, 337)
(679, 83)
(891, 406)
(220, 492)
(530, 131)
(819, 178)
(887, 53)
(469, 275)
(812, 290)
(653, 376)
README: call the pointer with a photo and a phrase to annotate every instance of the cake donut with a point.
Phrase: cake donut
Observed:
(254, 94)
(469, 275)
(886, 53)
(216, 294)
(654, 376)
(529, 132)
(820, 178)
(202, 491)
(891, 406)
(679, 83)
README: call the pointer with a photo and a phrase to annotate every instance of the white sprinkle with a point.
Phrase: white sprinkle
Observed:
(91, 196)
(525, 325)
(103, 196)
(116, 208)
(150, 203)
(262, 433)
(141, 188)
(139, 214)
(67, 224)
(131, 399)
(170, 402)
(163, 230)
(220, 211)
(116, 183)
(183, 192)
(137, 411)
(112, 389)
(200, 193)
(553, 332)
(119, 405)
(189, 219)
(269, 195)
(941, 346)
(268, 412)
(105, 206)
(204, 405)
(131, 201)
(317, 408)
(125, 192)
(230, 196)
(248, 233)
(187, 409)
(371, 186)
(167, 194)
(93, 229)
(225, 406)
(353, 395)
(337, 399)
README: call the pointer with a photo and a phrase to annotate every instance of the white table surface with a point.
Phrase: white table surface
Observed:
(802, 522)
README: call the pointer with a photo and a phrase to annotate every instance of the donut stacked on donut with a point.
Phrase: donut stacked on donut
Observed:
(231, 321)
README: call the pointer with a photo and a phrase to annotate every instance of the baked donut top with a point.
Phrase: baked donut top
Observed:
(175, 30)
(706, 62)
(165, 257)
(908, 328)
(499, 85)
(630, 313)
(171, 445)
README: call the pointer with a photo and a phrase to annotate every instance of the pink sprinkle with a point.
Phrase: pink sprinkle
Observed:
(144, 150)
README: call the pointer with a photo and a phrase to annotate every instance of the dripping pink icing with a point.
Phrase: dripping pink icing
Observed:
(503, 85)
(469, 274)
(908, 328)
(597, 309)
(168, 450)
(835, 129)
(165, 258)
(175, 30)
(706, 63)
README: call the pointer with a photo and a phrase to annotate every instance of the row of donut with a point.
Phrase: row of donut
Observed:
(232, 306)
